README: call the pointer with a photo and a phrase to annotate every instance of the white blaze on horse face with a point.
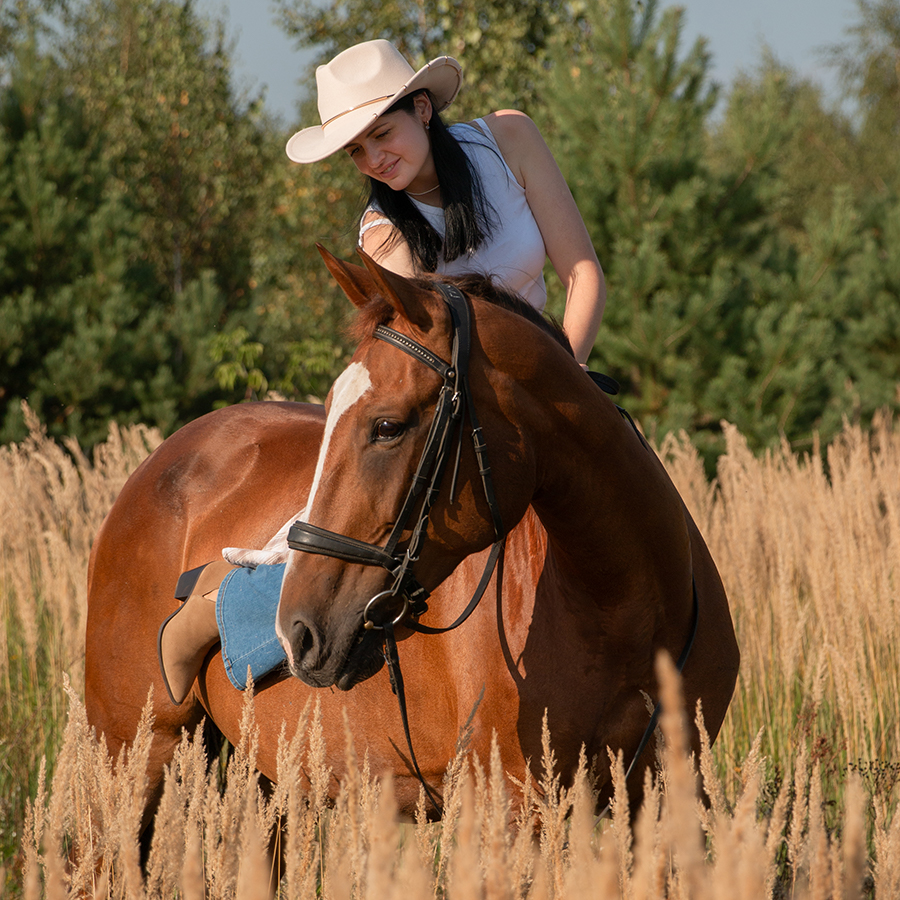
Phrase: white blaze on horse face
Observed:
(351, 384)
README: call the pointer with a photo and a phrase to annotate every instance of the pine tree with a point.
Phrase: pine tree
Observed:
(728, 249)
(826, 283)
(868, 63)
(155, 88)
(626, 115)
(126, 218)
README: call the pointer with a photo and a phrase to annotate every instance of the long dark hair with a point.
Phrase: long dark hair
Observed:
(468, 216)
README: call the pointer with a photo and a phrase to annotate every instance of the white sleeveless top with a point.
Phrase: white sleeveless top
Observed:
(515, 252)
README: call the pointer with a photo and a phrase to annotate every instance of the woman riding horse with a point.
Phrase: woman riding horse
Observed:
(485, 196)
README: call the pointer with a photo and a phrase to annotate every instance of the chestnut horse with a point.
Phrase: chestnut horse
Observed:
(601, 564)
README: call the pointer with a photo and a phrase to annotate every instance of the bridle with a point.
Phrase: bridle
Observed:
(444, 439)
(453, 405)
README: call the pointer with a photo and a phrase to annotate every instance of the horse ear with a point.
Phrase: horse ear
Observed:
(354, 281)
(410, 301)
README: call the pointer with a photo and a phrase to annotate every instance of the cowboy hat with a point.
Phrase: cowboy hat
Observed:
(358, 85)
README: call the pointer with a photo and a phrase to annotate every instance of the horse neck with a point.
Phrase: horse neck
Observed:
(602, 496)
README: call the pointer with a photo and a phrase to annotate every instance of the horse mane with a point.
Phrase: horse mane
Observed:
(484, 287)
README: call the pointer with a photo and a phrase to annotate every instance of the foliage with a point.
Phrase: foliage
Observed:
(157, 250)
(119, 257)
(868, 65)
(744, 260)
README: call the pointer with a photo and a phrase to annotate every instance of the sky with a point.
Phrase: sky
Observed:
(737, 31)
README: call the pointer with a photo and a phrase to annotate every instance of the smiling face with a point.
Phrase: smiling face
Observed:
(396, 150)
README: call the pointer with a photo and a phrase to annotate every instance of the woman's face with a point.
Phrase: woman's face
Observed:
(396, 149)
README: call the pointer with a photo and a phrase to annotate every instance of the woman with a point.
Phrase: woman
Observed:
(484, 197)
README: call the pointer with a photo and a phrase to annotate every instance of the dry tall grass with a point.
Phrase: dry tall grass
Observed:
(52, 501)
(810, 555)
(212, 839)
(801, 783)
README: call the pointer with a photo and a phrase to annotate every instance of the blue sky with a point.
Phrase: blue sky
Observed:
(737, 30)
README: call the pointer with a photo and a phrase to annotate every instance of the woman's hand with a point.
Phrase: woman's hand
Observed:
(276, 550)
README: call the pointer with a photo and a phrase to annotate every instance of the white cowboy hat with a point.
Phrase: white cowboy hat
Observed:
(358, 85)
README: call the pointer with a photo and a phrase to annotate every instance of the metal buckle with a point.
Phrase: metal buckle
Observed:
(369, 625)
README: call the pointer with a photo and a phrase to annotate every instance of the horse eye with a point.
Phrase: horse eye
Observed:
(386, 430)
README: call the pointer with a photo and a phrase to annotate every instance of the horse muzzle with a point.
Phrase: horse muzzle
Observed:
(320, 662)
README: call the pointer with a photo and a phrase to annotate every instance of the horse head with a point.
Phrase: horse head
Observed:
(383, 413)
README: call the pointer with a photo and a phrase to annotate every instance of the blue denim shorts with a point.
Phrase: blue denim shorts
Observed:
(245, 610)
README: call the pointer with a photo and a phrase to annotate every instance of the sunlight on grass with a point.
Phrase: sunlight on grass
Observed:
(801, 784)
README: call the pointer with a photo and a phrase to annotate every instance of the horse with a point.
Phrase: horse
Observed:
(600, 566)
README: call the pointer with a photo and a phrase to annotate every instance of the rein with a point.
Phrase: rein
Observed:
(444, 439)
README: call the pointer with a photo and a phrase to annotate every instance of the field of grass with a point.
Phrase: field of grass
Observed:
(801, 782)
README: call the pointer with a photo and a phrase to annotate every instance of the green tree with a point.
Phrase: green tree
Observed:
(126, 219)
(298, 311)
(868, 63)
(820, 335)
(626, 115)
(729, 248)
(155, 89)
(795, 152)
(157, 249)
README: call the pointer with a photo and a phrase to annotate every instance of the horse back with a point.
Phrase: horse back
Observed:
(256, 458)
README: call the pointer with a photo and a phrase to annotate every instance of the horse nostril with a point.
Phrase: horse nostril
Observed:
(307, 642)
(306, 645)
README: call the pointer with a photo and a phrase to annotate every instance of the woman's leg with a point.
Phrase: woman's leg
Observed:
(187, 636)
(245, 612)
(233, 604)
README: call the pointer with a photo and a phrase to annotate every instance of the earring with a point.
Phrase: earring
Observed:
(427, 126)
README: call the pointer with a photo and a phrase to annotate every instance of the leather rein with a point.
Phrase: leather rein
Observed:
(453, 405)
(443, 441)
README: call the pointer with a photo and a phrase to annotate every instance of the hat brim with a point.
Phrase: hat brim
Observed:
(442, 77)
